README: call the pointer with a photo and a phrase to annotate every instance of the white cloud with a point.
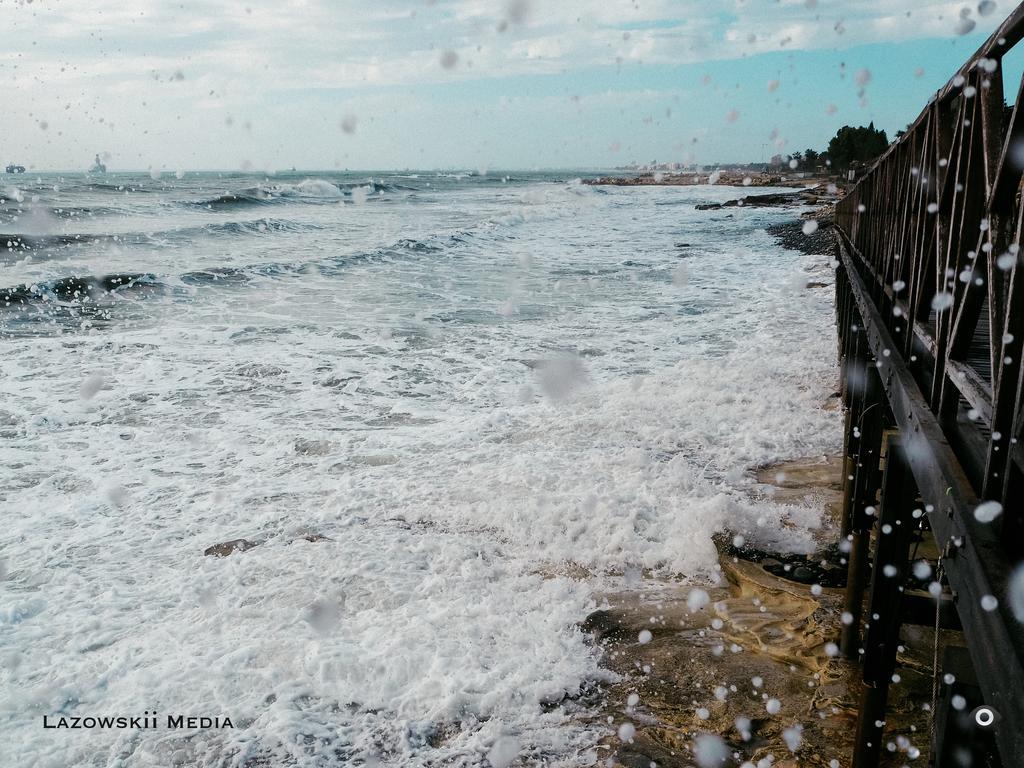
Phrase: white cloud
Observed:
(355, 44)
(75, 63)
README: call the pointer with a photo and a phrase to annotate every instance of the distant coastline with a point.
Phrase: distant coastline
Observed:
(726, 177)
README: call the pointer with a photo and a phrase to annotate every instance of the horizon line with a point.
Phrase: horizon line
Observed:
(696, 167)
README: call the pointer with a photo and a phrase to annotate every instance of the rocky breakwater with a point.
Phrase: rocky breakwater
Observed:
(692, 178)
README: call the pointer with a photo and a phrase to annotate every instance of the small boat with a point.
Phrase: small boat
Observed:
(98, 166)
(12, 168)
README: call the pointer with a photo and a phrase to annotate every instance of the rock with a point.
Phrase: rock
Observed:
(771, 200)
(604, 625)
(228, 547)
(804, 574)
(756, 201)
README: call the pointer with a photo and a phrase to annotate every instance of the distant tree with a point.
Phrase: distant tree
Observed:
(856, 145)
(811, 158)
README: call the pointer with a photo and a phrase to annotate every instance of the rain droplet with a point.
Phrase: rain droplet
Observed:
(942, 301)
(987, 511)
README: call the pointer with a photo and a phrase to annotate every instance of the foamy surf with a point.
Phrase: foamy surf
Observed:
(525, 374)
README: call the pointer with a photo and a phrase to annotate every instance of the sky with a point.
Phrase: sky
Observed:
(467, 84)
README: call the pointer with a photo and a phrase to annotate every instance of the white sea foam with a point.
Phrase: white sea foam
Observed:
(315, 188)
(441, 454)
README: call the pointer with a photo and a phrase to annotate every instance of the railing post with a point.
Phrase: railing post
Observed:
(862, 495)
(854, 378)
(888, 574)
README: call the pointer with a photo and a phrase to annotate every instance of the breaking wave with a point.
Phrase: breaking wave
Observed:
(307, 191)
(75, 289)
(17, 243)
(91, 289)
(27, 242)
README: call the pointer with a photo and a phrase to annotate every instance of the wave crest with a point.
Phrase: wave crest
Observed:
(307, 191)
(75, 289)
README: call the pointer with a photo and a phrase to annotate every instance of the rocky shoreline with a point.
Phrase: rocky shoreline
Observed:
(780, 199)
(725, 177)
(740, 671)
(791, 234)
(745, 671)
(729, 177)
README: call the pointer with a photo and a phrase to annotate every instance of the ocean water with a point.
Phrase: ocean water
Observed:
(422, 397)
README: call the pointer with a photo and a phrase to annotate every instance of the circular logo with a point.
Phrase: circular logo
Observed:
(984, 716)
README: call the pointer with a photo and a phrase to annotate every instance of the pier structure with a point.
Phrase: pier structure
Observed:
(930, 312)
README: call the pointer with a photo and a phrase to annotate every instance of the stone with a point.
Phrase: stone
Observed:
(230, 547)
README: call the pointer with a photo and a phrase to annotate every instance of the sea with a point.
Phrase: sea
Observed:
(347, 458)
